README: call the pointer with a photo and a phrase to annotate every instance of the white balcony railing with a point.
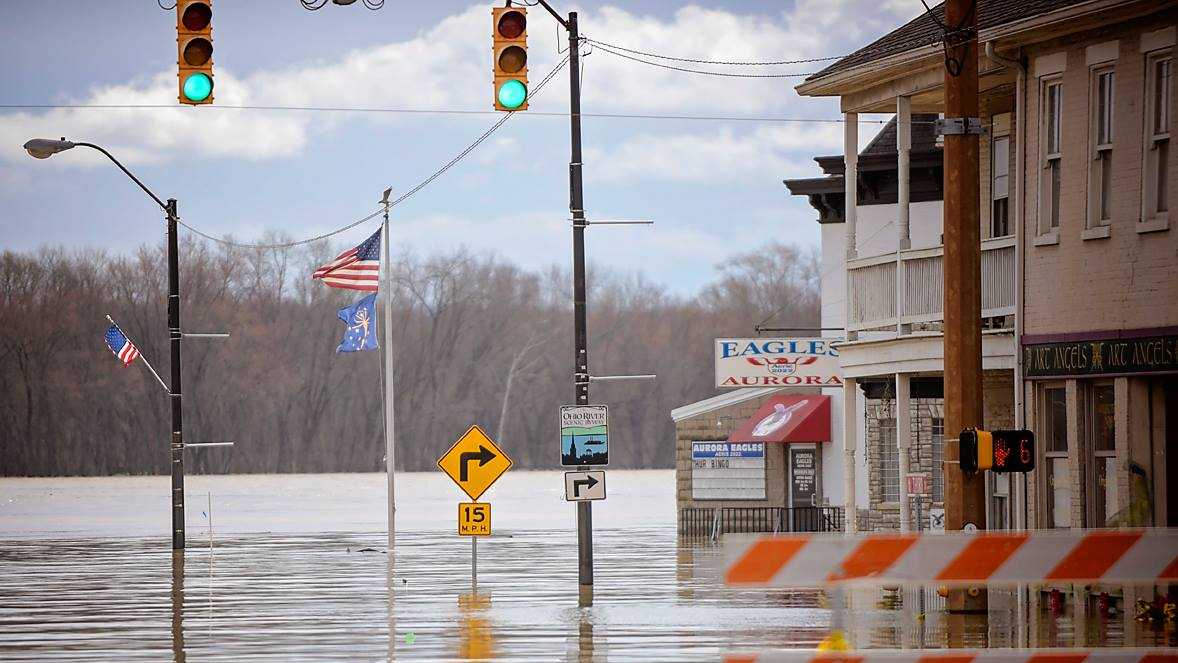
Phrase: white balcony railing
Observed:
(875, 298)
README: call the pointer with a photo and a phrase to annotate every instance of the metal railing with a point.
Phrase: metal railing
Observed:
(912, 283)
(714, 521)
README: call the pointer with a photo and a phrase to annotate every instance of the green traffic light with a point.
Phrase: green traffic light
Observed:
(512, 94)
(198, 86)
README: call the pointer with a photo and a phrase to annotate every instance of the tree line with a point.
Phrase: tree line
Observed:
(475, 340)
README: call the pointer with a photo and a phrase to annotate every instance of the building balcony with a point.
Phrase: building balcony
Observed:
(905, 292)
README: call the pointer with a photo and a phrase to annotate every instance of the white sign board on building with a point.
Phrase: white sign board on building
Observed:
(777, 362)
(727, 471)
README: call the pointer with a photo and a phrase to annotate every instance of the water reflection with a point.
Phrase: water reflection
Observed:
(475, 638)
(335, 596)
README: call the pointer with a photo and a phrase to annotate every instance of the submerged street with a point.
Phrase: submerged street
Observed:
(315, 588)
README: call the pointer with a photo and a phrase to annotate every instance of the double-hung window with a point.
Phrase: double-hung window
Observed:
(1000, 176)
(1100, 147)
(1158, 85)
(1050, 147)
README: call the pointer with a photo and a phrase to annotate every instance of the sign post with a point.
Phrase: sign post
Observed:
(474, 462)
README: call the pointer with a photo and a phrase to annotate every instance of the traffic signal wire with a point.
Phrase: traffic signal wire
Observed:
(446, 111)
(726, 74)
(405, 196)
(730, 63)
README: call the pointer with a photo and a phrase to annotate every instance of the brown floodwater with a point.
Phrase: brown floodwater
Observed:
(81, 580)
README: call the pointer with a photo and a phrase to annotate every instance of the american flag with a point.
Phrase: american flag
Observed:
(354, 269)
(121, 345)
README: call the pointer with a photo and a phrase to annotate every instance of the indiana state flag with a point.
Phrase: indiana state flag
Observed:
(360, 319)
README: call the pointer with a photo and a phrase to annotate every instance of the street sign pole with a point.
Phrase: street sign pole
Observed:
(580, 332)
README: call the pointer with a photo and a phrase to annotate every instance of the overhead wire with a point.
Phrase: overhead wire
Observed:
(435, 111)
(403, 197)
(725, 74)
(731, 63)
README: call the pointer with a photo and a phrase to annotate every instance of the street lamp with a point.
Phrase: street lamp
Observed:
(43, 148)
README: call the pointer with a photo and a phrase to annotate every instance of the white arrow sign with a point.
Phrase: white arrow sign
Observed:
(584, 486)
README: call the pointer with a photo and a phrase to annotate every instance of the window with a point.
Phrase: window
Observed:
(1057, 482)
(1100, 148)
(1101, 431)
(889, 462)
(938, 459)
(999, 186)
(1157, 135)
(1049, 146)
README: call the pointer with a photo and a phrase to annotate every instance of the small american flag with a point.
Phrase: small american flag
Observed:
(354, 269)
(121, 345)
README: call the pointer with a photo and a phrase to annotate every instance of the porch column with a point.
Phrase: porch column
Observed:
(850, 440)
(851, 178)
(903, 236)
(903, 443)
(903, 152)
(850, 207)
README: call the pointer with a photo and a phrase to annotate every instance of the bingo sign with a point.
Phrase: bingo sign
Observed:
(778, 362)
(727, 470)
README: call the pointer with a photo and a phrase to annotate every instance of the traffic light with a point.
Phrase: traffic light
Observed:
(194, 45)
(509, 30)
(997, 451)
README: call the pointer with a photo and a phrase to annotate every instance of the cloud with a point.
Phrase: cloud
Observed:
(446, 66)
(723, 154)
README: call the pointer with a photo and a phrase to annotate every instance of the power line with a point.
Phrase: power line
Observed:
(439, 111)
(734, 63)
(696, 71)
(405, 196)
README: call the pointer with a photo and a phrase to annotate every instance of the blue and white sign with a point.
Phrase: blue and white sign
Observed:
(727, 471)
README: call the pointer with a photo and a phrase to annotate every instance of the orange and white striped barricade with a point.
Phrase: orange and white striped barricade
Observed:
(1121, 556)
(1107, 655)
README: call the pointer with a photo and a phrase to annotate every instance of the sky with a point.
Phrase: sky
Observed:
(713, 188)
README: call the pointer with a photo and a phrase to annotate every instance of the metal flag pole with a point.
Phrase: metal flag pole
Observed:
(145, 362)
(386, 288)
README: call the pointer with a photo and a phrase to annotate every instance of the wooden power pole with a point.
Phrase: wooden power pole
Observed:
(965, 495)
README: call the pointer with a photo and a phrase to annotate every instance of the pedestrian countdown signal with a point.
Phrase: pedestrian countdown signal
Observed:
(998, 451)
(194, 44)
(509, 32)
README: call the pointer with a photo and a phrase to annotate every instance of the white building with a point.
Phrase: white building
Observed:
(882, 285)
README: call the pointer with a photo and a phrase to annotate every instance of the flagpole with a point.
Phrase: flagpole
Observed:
(141, 356)
(386, 288)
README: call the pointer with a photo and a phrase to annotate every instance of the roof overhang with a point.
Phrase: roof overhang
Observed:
(919, 73)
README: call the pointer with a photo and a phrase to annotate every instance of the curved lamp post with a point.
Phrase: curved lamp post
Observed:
(43, 148)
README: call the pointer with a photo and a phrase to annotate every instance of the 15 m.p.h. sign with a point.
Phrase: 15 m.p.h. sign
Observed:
(778, 362)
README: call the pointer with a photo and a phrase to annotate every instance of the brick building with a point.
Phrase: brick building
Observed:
(1079, 261)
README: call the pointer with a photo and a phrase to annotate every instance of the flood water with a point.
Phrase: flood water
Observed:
(295, 568)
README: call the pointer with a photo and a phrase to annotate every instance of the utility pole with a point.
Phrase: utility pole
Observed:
(580, 331)
(965, 494)
(175, 336)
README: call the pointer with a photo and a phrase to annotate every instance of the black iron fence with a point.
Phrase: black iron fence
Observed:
(714, 521)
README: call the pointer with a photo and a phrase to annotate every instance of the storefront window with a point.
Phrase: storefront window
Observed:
(1102, 479)
(1056, 477)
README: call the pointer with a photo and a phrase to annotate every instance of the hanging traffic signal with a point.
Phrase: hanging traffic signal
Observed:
(509, 30)
(194, 44)
(997, 451)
